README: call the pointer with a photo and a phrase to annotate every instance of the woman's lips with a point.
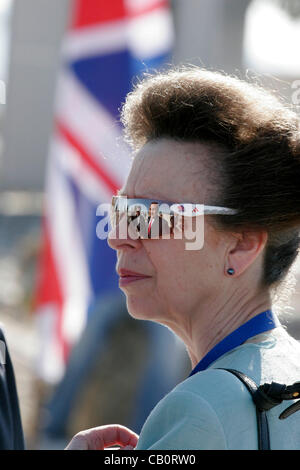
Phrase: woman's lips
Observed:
(127, 277)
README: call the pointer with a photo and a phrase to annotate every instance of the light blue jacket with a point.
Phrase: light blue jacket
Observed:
(213, 409)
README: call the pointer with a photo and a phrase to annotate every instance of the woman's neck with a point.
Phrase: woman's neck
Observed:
(207, 330)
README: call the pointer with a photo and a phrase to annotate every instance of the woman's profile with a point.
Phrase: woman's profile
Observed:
(228, 152)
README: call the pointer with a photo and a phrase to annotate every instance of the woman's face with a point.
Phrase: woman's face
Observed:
(178, 279)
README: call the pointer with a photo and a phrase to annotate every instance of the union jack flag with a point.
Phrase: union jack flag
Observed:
(106, 44)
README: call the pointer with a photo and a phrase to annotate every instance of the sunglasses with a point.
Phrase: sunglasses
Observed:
(154, 218)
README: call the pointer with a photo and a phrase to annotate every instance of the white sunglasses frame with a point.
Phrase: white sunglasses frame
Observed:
(205, 209)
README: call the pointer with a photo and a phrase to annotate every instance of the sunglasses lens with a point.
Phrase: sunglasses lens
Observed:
(118, 209)
(145, 219)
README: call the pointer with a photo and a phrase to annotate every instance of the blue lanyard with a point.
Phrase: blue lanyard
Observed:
(259, 324)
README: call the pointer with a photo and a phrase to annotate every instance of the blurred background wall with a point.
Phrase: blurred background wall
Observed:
(36, 30)
(256, 39)
(208, 32)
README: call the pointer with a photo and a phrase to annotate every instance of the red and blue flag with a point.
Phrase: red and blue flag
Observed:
(106, 45)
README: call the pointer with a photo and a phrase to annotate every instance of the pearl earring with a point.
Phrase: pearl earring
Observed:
(230, 271)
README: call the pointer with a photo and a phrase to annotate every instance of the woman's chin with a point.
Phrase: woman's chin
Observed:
(139, 309)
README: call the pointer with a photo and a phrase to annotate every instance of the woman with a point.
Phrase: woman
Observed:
(206, 138)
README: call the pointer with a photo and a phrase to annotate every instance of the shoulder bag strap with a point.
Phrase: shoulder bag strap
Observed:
(261, 416)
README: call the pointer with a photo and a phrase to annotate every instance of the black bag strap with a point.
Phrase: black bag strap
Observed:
(261, 417)
(265, 397)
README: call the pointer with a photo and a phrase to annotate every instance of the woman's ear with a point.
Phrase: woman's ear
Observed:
(244, 250)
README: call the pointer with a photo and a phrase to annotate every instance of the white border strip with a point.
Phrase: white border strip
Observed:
(151, 35)
(104, 39)
(146, 36)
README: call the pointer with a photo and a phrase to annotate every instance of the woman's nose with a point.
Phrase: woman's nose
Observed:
(119, 238)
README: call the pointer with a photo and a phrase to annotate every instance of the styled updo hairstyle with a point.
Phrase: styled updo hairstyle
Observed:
(258, 161)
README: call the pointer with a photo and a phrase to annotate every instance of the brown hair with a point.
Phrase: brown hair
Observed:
(259, 171)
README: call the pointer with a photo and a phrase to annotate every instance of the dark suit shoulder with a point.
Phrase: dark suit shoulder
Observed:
(11, 432)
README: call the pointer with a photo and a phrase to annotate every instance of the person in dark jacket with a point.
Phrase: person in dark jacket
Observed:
(11, 430)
